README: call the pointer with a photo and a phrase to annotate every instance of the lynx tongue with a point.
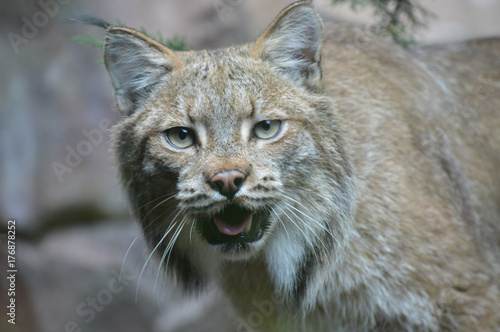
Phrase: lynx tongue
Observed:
(233, 221)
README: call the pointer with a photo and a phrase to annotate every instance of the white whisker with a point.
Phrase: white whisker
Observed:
(168, 250)
(152, 252)
(141, 233)
(125, 258)
(281, 222)
(306, 238)
(157, 205)
(316, 222)
(193, 225)
(307, 226)
(327, 199)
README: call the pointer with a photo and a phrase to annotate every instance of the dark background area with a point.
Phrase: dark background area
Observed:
(73, 229)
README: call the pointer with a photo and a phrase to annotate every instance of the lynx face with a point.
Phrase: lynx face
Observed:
(233, 152)
(226, 154)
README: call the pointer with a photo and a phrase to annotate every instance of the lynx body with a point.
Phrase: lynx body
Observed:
(335, 179)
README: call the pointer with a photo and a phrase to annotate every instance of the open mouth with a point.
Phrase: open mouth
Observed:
(235, 224)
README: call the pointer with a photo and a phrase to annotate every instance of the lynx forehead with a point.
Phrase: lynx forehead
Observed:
(356, 182)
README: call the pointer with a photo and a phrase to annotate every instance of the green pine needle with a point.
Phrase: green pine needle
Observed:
(400, 19)
(89, 39)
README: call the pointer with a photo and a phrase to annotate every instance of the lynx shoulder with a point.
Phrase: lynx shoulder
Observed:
(320, 172)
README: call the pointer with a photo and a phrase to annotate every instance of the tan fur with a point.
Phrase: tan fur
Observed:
(382, 191)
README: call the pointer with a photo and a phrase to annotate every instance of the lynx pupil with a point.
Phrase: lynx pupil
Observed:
(266, 125)
(183, 133)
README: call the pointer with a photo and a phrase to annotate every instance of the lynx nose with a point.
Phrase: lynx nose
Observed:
(228, 182)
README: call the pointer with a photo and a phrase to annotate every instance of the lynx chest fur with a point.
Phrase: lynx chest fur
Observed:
(339, 181)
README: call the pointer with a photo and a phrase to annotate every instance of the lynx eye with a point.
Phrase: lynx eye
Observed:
(180, 137)
(267, 129)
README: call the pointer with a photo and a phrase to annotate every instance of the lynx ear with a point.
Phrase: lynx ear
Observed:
(137, 65)
(292, 45)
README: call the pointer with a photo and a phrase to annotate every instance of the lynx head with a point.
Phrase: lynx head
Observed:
(232, 154)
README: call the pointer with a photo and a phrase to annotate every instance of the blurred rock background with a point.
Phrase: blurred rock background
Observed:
(73, 224)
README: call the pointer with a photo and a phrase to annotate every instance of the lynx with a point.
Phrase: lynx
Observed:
(337, 180)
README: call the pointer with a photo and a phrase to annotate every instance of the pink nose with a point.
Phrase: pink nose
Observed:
(228, 182)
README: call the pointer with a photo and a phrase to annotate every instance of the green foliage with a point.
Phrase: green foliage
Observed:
(398, 18)
(176, 43)
(88, 39)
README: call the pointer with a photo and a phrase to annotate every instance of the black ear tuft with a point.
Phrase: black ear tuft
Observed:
(90, 20)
